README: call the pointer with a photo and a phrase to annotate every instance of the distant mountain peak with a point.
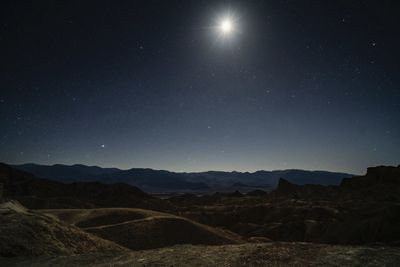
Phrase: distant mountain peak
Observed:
(165, 181)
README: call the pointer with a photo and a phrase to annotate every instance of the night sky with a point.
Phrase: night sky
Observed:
(294, 84)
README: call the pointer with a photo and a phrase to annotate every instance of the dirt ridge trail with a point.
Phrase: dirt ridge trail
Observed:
(128, 222)
(138, 229)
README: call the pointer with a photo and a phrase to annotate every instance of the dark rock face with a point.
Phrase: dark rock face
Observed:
(361, 210)
(309, 191)
(380, 183)
(375, 176)
(1, 192)
(257, 193)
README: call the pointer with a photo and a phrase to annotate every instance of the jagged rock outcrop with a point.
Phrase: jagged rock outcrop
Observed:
(379, 183)
(362, 210)
(287, 189)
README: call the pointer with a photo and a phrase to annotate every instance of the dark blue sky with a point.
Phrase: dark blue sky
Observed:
(299, 84)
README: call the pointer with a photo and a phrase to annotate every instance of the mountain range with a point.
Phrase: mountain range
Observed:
(154, 181)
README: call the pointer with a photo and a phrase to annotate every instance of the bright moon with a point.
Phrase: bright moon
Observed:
(226, 26)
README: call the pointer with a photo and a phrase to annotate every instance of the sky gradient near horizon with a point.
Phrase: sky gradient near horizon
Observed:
(297, 84)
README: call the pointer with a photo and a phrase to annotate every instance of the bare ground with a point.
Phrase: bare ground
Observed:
(250, 254)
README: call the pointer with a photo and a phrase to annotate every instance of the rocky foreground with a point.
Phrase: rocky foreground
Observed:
(266, 254)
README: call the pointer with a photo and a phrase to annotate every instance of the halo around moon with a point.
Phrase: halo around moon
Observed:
(226, 26)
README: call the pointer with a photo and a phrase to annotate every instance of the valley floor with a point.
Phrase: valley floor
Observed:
(250, 254)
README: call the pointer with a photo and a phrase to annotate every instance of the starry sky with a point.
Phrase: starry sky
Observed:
(297, 84)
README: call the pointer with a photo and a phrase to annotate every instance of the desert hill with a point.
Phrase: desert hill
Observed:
(27, 233)
(143, 229)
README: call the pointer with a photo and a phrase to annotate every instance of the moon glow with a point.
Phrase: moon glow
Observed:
(226, 26)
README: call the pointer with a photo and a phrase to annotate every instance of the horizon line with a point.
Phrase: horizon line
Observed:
(202, 171)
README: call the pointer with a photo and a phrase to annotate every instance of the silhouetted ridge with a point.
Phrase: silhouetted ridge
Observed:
(375, 175)
(381, 182)
(151, 180)
(65, 173)
(38, 193)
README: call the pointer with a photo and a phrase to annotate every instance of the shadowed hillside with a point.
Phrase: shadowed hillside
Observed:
(143, 229)
(37, 193)
(27, 233)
